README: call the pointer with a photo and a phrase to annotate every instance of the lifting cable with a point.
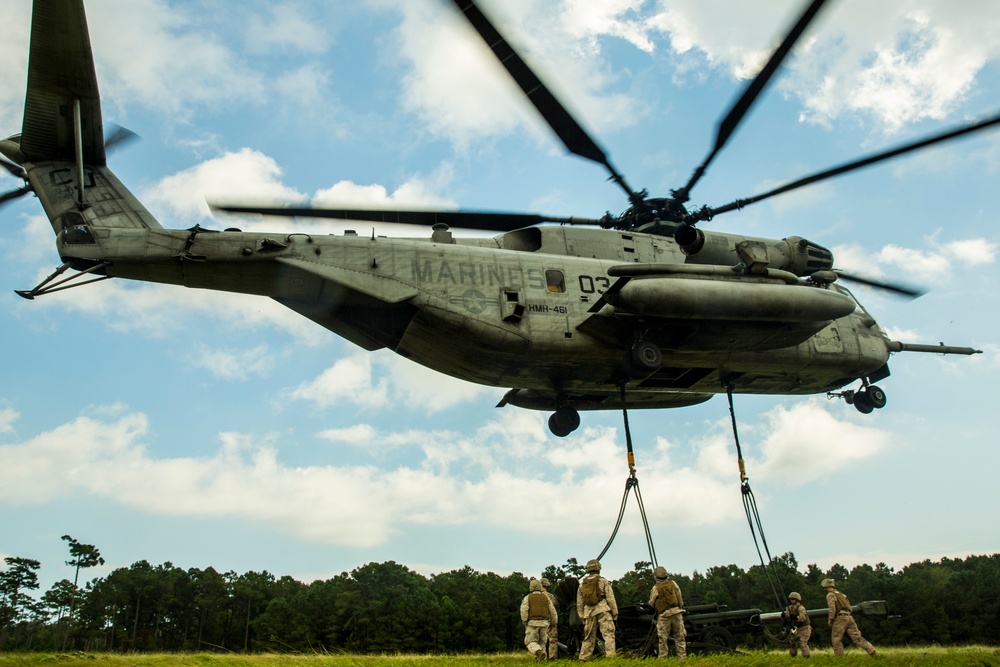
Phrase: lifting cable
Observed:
(750, 508)
(631, 484)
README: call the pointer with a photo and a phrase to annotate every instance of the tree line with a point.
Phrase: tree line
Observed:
(388, 608)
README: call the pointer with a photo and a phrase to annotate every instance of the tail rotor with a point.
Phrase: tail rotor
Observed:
(117, 138)
(17, 171)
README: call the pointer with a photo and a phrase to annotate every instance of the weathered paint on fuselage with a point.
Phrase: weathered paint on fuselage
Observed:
(510, 311)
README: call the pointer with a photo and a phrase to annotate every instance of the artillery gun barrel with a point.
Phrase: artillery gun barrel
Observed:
(721, 617)
(877, 609)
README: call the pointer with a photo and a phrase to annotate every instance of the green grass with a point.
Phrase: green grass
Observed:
(978, 656)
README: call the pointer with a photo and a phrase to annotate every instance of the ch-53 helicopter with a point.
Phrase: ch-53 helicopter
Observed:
(638, 310)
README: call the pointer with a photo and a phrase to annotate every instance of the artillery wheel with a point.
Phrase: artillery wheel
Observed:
(876, 396)
(863, 402)
(716, 635)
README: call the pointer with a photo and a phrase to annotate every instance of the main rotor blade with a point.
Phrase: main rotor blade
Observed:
(728, 124)
(896, 288)
(14, 194)
(707, 213)
(15, 170)
(483, 220)
(573, 136)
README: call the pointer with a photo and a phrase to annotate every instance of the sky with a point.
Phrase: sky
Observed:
(207, 429)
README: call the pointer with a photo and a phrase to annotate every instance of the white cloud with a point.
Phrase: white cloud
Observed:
(251, 178)
(491, 476)
(415, 191)
(56, 463)
(230, 364)
(373, 380)
(307, 86)
(937, 262)
(166, 59)
(898, 64)
(358, 435)
(161, 310)
(618, 18)
(905, 335)
(973, 252)
(284, 28)
(350, 379)
(243, 175)
(461, 92)
(8, 416)
(455, 87)
(422, 388)
(731, 36)
(13, 66)
(35, 243)
(930, 264)
(806, 442)
(924, 73)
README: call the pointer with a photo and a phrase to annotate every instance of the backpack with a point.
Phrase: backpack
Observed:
(666, 595)
(591, 591)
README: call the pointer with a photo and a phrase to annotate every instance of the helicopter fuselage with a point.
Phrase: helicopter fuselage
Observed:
(551, 310)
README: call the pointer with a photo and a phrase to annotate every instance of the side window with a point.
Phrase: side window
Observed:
(555, 281)
(79, 235)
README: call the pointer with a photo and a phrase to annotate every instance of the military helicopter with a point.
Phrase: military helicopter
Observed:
(638, 310)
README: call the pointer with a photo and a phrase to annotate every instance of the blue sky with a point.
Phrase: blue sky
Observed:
(209, 429)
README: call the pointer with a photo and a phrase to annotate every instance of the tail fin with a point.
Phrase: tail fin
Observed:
(61, 146)
(61, 76)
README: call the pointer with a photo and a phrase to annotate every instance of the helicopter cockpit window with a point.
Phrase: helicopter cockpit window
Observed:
(555, 281)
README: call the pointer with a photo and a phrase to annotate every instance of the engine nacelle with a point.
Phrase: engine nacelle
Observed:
(793, 254)
(676, 297)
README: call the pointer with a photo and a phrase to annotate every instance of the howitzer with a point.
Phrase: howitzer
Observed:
(875, 609)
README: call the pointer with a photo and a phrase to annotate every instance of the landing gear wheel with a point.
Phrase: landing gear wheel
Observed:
(876, 396)
(564, 421)
(644, 358)
(863, 402)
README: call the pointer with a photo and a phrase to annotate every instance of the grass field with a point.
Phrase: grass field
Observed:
(978, 656)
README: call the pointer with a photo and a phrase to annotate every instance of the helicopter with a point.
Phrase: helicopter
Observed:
(644, 309)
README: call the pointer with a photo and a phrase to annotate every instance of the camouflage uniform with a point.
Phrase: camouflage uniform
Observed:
(603, 614)
(842, 621)
(554, 625)
(537, 612)
(666, 598)
(796, 614)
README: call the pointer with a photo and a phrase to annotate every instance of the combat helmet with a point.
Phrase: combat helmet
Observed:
(545, 582)
(593, 565)
(828, 582)
(795, 596)
(660, 573)
(534, 585)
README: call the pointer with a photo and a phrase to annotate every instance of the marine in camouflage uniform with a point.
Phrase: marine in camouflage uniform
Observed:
(842, 621)
(600, 613)
(537, 613)
(666, 599)
(796, 614)
(554, 625)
